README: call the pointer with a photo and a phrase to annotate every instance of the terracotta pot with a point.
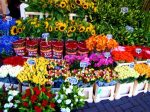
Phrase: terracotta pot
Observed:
(71, 47)
(57, 49)
(19, 47)
(82, 48)
(46, 49)
(32, 47)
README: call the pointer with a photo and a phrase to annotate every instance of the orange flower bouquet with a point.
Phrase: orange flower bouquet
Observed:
(100, 43)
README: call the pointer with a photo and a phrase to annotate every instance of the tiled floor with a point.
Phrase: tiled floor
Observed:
(139, 103)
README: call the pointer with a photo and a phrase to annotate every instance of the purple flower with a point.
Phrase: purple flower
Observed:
(94, 57)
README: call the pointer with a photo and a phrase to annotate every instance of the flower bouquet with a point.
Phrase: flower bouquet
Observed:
(46, 49)
(82, 49)
(71, 47)
(69, 97)
(57, 49)
(32, 47)
(19, 47)
(37, 99)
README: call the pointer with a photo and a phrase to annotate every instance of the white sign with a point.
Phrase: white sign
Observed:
(107, 54)
(131, 65)
(31, 62)
(148, 61)
(73, 80)
(109, 36)
(83, 64)
(124, 10)
(138, 50)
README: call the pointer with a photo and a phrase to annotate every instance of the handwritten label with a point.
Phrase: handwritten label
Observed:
(124, 10)
(107, 54)
(109, 36)
(148, 61)
(138, 50)
(73, 80)
(45, 35)
(83, 64)
(31, 62)
(99, 90)
(131, 65)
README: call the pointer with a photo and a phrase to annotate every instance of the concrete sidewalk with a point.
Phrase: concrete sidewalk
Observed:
(139, 103)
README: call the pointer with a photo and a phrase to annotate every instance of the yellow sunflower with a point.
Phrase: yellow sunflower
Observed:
(69, 34)
(93, 32)
(19, 30)
(85, 6)
(50, 29)
(88, 29)
(72, 6)
(13, 30)
(79, 2)
(81, 29)
(62, 4)
(72, 29)
(46, 24)
(56, 28)
(18, 22)
(62, 27)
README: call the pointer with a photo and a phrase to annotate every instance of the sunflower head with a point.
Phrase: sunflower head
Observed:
(56, 28)
(78, 2)
(88, 29)
(85, 6)
(18, 22)
(93, 32)
(13, 30)
(72, 29)
(19, 30)
(62, 4)
(46, 24)
(62, 28)
(50, 29)
(81, 29)
(72, 6)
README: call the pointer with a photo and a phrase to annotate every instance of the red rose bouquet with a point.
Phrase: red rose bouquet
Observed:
(37, 99)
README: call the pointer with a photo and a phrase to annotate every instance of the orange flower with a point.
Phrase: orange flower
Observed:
(112, 44)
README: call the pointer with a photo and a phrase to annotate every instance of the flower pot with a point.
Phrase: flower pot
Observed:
(71, 48)
(19, 47)
(140, 87)
(32, 47)
(82, 48)
(124, 89)
(46, 49)
(57, 49)
(103, 93)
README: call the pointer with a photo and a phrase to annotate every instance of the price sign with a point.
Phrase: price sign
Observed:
(45, 36)
(148, 61)
(83, 64)
(109, 36)
(8, 18)
(73, 80)
(138, 50)
(31, 62)
(107, 54)
(131, 65)
(99, 91)
(124, 10)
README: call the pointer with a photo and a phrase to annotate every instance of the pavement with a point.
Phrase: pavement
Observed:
(139, 103)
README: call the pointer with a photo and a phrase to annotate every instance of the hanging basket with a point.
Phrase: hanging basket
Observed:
(32, 47)
(19, 47)
(46, 49)
(57, 49)
(82, 48)
(71, 48)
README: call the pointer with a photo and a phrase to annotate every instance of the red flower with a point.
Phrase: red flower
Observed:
(28, 92)
(52, 105)
(44, 103)
(24, 97)
(33, 98)
(37, 109)
(25, 104)
(37, 91)
(43, 89)
(49, 95)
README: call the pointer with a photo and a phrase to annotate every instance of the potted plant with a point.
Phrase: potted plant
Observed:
(82, 49)
(46, 49)
(71, 47)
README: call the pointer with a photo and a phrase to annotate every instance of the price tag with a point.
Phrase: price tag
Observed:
(124, 10)
(8, 18)
(31, 62)
(148, 61)
(109, 36)
(83, 64)
(73, 80)
(107, 54)
(138, 50)
(99, 90)
(45, 36)
(131, 65)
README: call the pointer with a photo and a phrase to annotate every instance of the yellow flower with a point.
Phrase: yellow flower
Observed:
(18, 22)
(37, 25)
(85, 5)
(46, 24)
(50, 29)
(19, 30)
(13, 30)
(88, 29)
(79, 2)
(72, 6)
(62, 27)
(56, 28)
(93, 32)
(62, 4)
(81, 29)
(23, 27)
(69, 34)
(72, 29)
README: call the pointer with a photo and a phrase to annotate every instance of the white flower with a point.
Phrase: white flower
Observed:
(10, 98)
(68, 101)
(59, 101)
(56, 97)
(6, 105)
(64, 88)
(62, 97)
(15, 106)
(13, 92)
(80, 93)
(71, 87)
(5, 111)
(65, 109)
(10, 105)
(71, 105)
(76, 100)
(17, 101)
(14, 71)
(75, 95)
(4, 70)
(81, 100)
(68, 90)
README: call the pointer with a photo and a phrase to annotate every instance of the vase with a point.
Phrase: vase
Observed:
(19, 47)
(71, 47)
(32, 47)
(82, 50)
(46, 49)
(57, 49)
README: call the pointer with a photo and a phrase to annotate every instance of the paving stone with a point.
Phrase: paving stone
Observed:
(128, 110)
(91, 104)
(143, 104)
(118, 109)
(137, 109)
(92, 109)
(100, 106)
(133, 101)
(108, 106)
(116, 102)
(126, 106)
(110, 110)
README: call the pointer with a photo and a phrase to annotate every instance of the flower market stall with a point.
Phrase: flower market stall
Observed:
(64, 53)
